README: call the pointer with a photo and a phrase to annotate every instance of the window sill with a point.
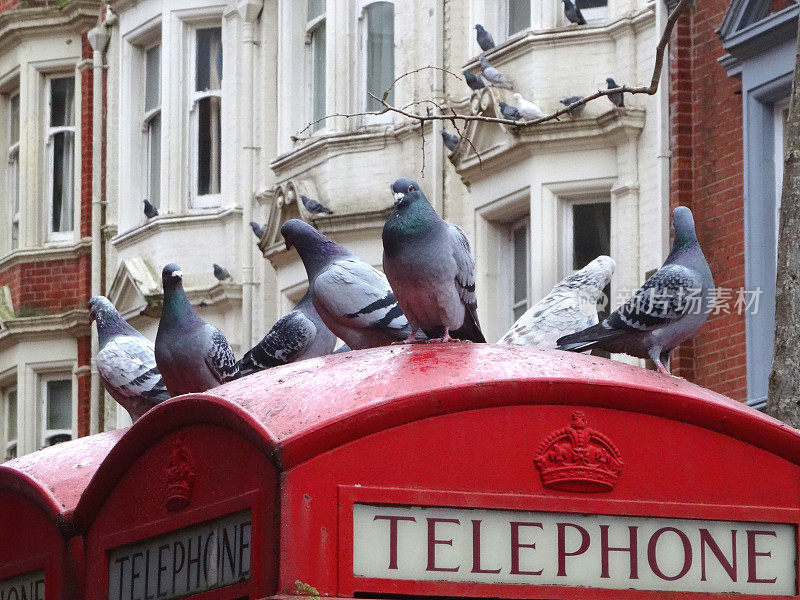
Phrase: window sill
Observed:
(50, 251)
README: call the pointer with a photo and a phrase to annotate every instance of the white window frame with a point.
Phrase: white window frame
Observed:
(523, 223)
(49, 133)
(505, 14)
(194, 98)
(12, 172)
(778, 152)
(44, 433)
(8, 444)
(568, 228)
(311, 28)
(147, 117)
(387, 117)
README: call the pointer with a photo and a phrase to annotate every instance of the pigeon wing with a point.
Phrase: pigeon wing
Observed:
(220, 358)
(556, 315)
(127, 365)
(465, 283)
(355, 293)
(290, 335)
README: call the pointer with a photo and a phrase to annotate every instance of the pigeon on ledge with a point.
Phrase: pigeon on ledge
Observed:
(450, 141)
(569, 307)
(473, 82)
(667, 310)
(485, 40)
(495, 77)
(296, 336)
(258, 230)
(353, 299)
(429, 266)
(221, 273)
(191, 355)
(150, 211)
(573, 13)
(315, 207)
(126, 361)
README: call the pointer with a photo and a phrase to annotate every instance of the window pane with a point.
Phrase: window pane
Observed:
(520, 264)
(11, 417)
(62, 99)
(315, 9)
(588, 4)
(591, 232)
(519, 15)
(13, 175)
(152, 86)
(62, 163)
(209, 59)
(318, 44)
(380, 52)
(208, 147)
(13, 120)
(154, 161)
(520, 310)
(59, 404)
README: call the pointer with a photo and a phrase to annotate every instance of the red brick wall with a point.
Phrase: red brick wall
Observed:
(48, 287)
(706, 174)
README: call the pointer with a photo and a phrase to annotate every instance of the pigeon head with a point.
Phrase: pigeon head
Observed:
(518, 98)
(101, 310)
(254, 226)
(683, 221)
(315, 249)
(599, 271)
(479, 28)
(410, 199)
(172, 277)
(401, 187)
(611, 83)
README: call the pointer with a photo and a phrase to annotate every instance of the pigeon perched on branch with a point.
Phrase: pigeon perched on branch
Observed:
(126, 361)
(573, 13)
(616, 98)
(221, 273)
(569, 307)
(485, 40)
(191, 355)
(258, 230)
(473, 82)
(667, 310)
(353, 299)
(572, 100)
(429, 266)
(495, 77)
(527, 109)
(150, 211)
(450, 141)
(296, 336)
(315, 207)
(509, 112)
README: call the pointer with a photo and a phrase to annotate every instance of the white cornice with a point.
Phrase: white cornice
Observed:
(72, 323)
(32, 255)
(21, 23)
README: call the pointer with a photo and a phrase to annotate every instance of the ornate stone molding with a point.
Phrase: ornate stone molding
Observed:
(20, 23)
(45, 253)
(73, 323)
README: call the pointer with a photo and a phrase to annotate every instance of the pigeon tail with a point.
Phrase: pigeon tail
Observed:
(592, 337)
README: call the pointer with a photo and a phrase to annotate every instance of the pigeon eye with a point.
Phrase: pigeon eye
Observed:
(410, 188)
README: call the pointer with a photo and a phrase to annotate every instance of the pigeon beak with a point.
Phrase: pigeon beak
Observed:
(398, 196)
(289, 245)
(177, 274)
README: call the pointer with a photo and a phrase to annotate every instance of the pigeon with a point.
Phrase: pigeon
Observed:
(150, 211)
(296, 336)
(573, 13)
(126, 361)
(668, 309)
(485, 40)
(315, 207)
(617, 98)
(221, 273)
(527, 109)
(473, 82)
(450, 141)
(495, 77)
(353, 299)
(569, 307)
(428, 264)
(509, 112)
(258, 230)
(572, 100)
(191, 355)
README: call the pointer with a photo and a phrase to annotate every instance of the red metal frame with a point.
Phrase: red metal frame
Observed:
(350, 584)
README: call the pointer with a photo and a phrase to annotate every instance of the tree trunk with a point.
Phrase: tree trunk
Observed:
(783, 401)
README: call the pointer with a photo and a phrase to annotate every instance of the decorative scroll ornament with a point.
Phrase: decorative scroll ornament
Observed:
(578, 459)
(180, 477)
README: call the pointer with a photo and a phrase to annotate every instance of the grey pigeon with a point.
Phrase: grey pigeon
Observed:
(495, 77)
(572, 100)
(450, 141)
(126, 361)
(315, 207)
(353, 299)
(150, 211)
(296, 336)
(221, 273)
(473, 82)
(428, 263)
(258, 230)
(569, 307)
(667, 310)
(485, 40)
(616, 98)
(191, 355)
(509, 112)
(573, 13)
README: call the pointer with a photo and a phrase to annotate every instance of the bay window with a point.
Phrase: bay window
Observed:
(206, 111)
(151, 125)
(13, 167)
(60, 151)
(315, 60)
(518, 16)
(378, 54)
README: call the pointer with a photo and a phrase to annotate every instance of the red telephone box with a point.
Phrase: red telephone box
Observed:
(41, 552)
(461, 470)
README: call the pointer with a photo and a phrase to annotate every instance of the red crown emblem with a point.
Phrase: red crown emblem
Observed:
(180, 477)
(578, 459)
